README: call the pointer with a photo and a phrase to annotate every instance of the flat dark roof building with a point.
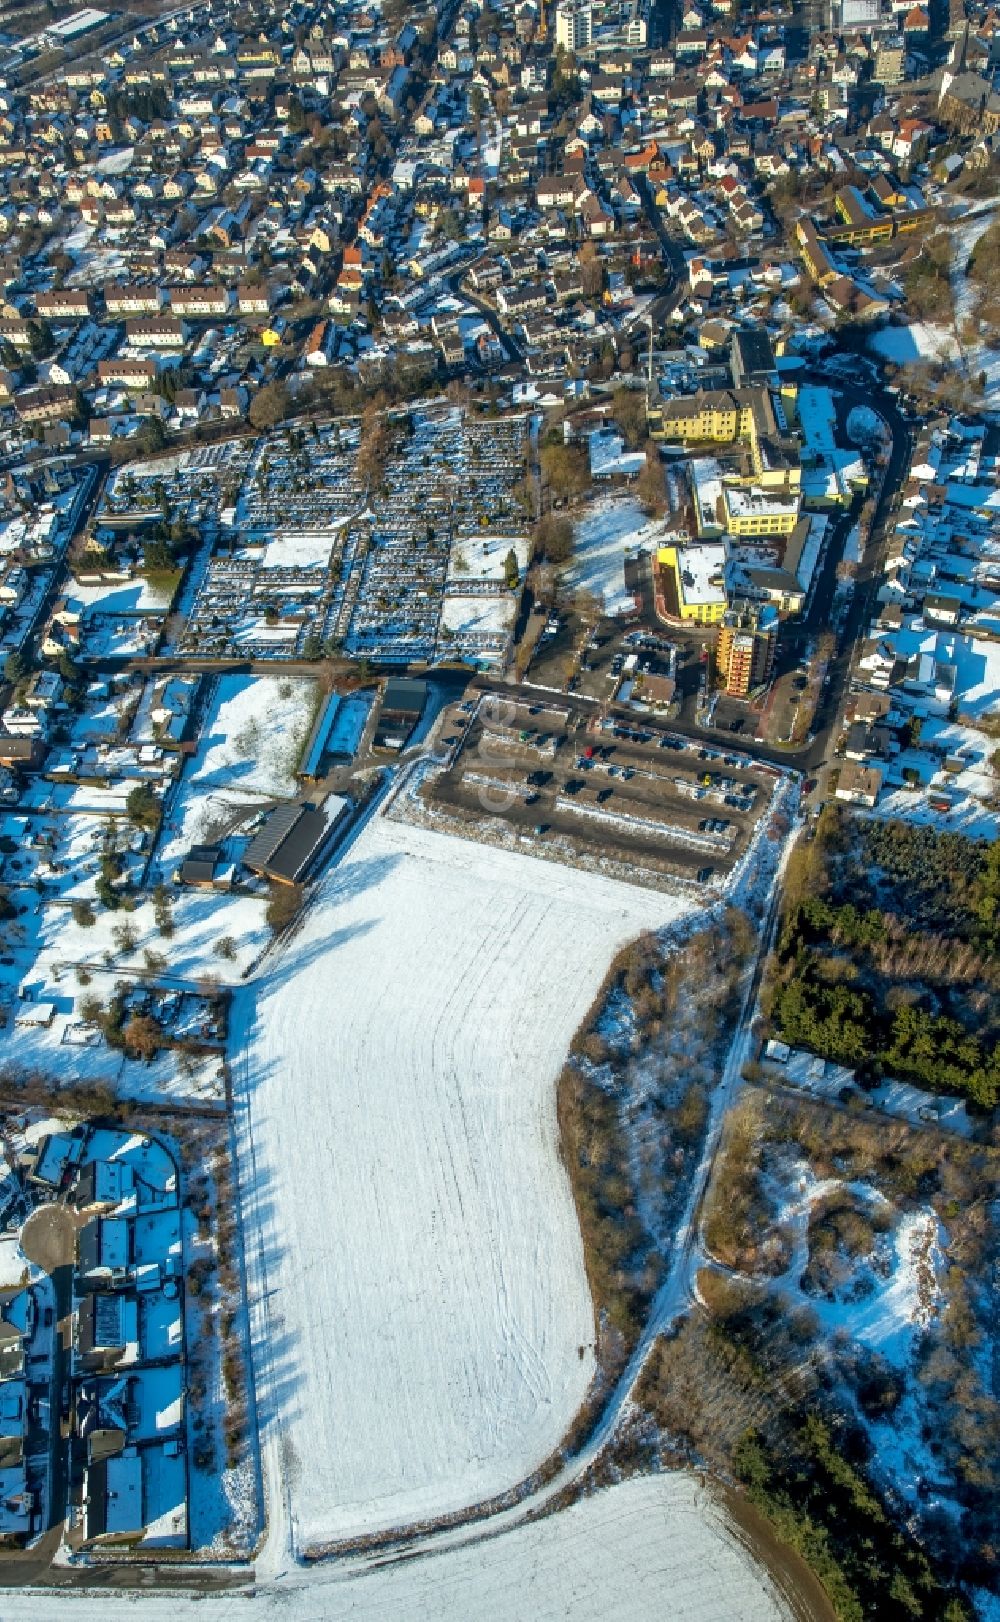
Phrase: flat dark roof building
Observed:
(751, 357)
(404, 696)
(402, 706)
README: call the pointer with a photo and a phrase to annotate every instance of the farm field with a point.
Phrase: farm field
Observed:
(646, 1549)
(431, 1326)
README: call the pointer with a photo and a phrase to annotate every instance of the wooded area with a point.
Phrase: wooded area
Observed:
(888, 958)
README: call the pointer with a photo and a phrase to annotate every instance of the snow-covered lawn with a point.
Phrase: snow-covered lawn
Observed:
(248, 751)
(612, 527)
(483, 557)
(301, 548)
(431, 1321)
(249, 734)
(918, 341)
(136, 596)
(653, 1549)
(492, 616)
(924, 342)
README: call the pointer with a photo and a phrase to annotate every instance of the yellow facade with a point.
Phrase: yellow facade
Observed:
(720, 426)
(762, 523)
(710, 612)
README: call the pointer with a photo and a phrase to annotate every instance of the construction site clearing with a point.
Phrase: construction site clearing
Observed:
(597, 790)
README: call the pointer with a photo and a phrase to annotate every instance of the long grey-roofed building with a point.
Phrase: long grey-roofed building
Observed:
(288, 842)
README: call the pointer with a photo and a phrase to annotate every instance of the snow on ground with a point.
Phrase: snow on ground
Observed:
(249, 733)
(907, 1103)
(248, 749)
(611, 528)
(432, 1324)
(136, 596)
(116, 162)
(490, 615)
(648, 1550)
(45, 965)
(301, 548)
(967, 814)
(14, 1266)
(964, 238)
(890, 1297)
(919, 341)
(483, 557)
(976, 661)
(923, 341)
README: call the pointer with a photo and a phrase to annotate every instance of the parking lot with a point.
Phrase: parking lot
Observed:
(592, 789)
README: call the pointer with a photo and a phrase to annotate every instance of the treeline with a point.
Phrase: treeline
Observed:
(737, 1390)
(885, 928)
(815, 1491)
(633, 1105)
(846, 1024)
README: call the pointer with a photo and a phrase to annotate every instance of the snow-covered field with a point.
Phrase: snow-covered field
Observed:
(610, 528)
(431, 1324)
(653, 1549)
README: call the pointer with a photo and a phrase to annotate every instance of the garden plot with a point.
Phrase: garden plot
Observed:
(642, 1551)
(433, 1329)
(252, 732)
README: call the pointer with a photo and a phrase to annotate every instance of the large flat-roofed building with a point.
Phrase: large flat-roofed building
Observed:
(751, 357)
(752, 512)
(699, 577)
(706, 475)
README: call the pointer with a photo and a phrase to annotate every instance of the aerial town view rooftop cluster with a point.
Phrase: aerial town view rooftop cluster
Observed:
(500, 810)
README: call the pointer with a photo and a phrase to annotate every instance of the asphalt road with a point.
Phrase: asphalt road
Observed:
(508, 342)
